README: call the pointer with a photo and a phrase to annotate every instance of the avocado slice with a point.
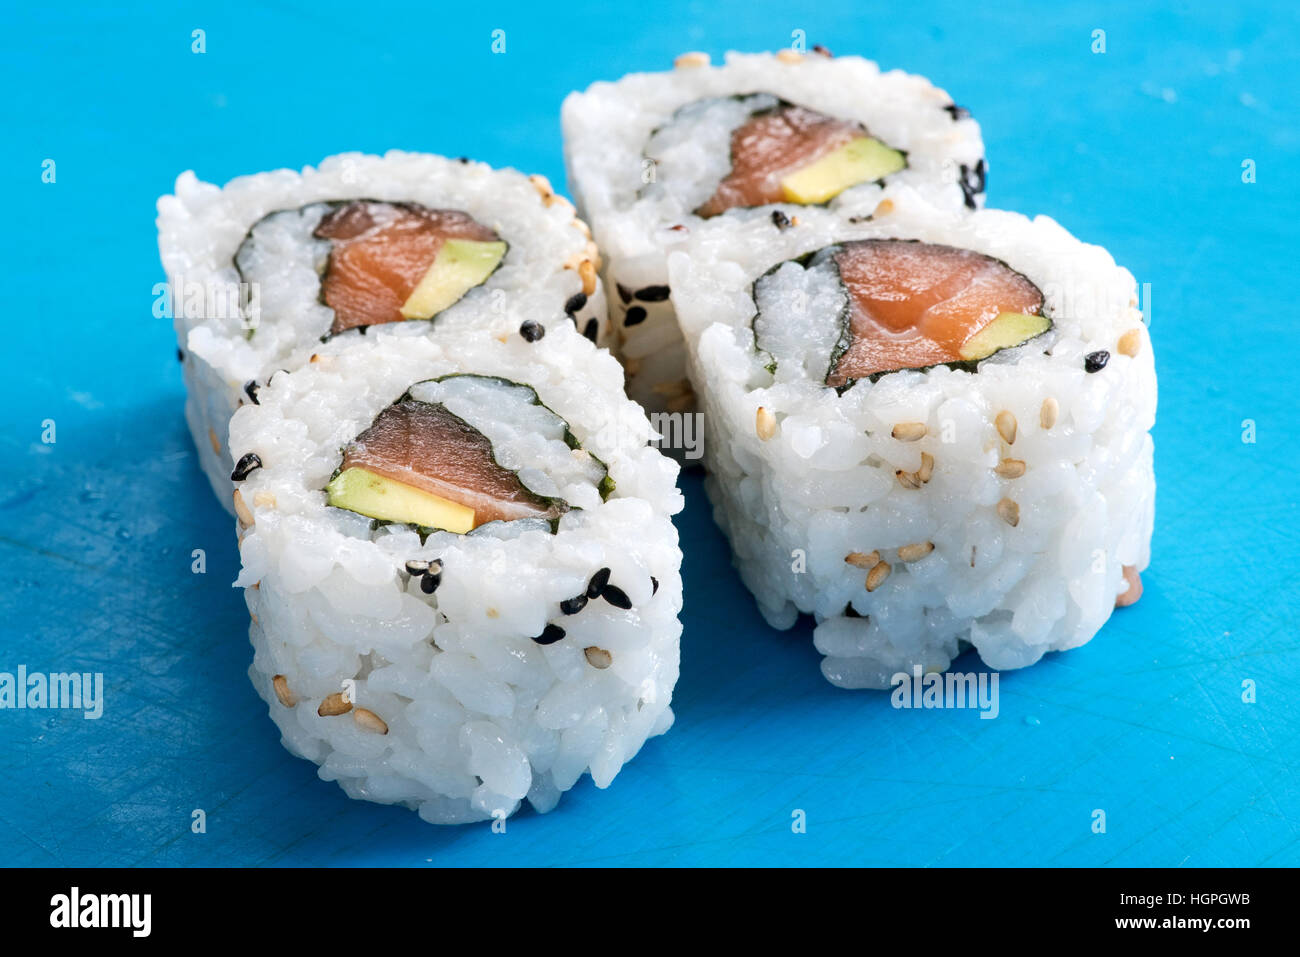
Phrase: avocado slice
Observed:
(1008, 329)
(360, 490)
(860, 160)
(461, 264)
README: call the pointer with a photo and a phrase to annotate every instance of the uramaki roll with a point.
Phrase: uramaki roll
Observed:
(928, 430)
(654, 157)
(458, 555)
(263, 270)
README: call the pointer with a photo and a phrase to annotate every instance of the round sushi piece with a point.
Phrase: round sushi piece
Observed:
(460, 565)
(656, 158)
(264, 270)
(926, 430)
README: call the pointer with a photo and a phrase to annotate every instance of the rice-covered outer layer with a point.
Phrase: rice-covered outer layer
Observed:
(813, 487)
(479, 715)
(201, 227)
(607, 127)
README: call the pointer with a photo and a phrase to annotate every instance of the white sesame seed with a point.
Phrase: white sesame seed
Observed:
(1006, 426)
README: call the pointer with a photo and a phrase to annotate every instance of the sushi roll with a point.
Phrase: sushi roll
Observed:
(264, 270)
(657, 158)
(928, 431)
(460, 565)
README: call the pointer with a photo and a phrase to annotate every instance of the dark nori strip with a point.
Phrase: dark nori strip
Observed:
(245, 467)
(571, 606)
(592, 330)
(1096, 361)
(624, 293)
(635, 316)
(250, 390)
(616, 597)
(957, 112)
(606, 486)
(598, 583)
(652, 293)
(574, 303)
(780, 220)
(532, 331)
(550, 635)
(973, 181)
(851, 612)
(416, 566)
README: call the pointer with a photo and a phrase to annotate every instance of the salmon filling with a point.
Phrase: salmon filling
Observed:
(426, 449)
(789, 153)
(381, 253)
(913, 305)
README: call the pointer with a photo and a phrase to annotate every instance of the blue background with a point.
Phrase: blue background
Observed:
(1139, 149)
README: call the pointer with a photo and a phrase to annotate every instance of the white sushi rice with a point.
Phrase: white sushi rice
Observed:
(812, 478)
(202, 226)
(640, 211)
(479, 716)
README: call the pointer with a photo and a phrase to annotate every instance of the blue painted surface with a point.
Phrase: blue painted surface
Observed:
(1139, 149)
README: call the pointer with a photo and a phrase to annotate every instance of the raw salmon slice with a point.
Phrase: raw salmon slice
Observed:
(425, 446)
(380, 253)
(771, 144)
(913, 304)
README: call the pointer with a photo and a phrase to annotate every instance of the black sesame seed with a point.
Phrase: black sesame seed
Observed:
(780, 220)
(957, 112)
(635, 315)
(616, 596)
(250, 390)
(571, 606)
(416, 567)
(180, 355)
(550, 635)
(592, 330)
(818, 48)
(972, 181)
(575, 302)
(429, 582)
(654, 585)
(462, 159)
(1096, 361)
(624, 293)
(652, 294)
(532, 331)
(245, 467)
(598, 583)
